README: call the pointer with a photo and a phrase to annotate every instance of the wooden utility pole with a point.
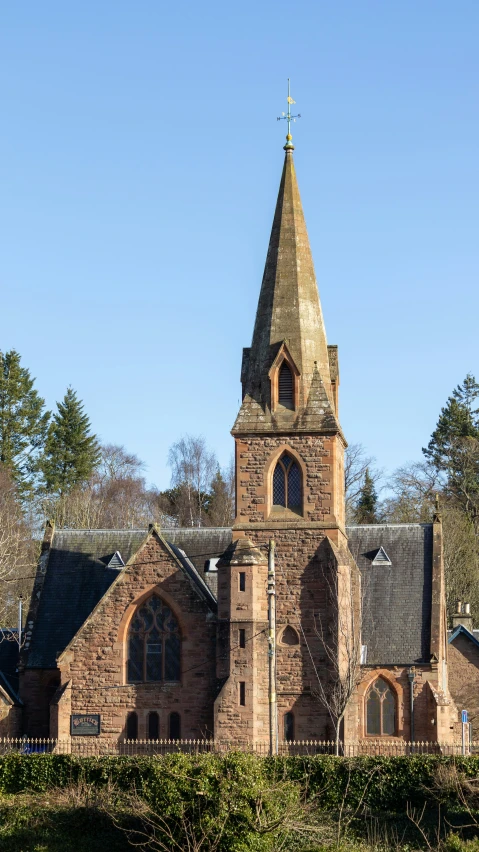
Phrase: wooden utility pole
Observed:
(273, 707)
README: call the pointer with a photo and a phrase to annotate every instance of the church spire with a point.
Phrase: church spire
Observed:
(289, 321)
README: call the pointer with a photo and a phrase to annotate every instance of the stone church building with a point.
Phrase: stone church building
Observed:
(164, 633)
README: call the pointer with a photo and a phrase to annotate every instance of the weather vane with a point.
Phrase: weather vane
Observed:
(289, 118)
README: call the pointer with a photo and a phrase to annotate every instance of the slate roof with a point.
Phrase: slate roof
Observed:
(9, 658)
(76, 579)
(396, 598)
(396, 605)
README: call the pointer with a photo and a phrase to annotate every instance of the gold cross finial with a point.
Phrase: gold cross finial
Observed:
(289, 118)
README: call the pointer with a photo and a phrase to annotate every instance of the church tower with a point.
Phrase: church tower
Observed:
(289, 452)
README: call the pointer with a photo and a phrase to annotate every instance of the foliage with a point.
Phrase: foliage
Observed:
(114, 497)
(236, 802)
(367, 502)
(356, 463)
(193, 467)
(23, 421)
(454, 446)
(71, 452)
(18, 552)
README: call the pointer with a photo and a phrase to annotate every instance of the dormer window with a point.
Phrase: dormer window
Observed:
(285, 386)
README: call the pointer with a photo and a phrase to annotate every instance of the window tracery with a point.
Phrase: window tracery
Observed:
(154, 643)
(380, 704)
(287, 490)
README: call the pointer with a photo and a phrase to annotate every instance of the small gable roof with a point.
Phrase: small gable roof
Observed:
(77, 577)
(396, 623)
(460, 630)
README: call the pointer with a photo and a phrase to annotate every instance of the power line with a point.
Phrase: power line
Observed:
(211, 555)
(141, 683)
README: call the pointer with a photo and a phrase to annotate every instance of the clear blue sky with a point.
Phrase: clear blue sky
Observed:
(140, 159)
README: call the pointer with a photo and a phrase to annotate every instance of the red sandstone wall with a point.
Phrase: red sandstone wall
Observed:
(95, 662)
(464, 678)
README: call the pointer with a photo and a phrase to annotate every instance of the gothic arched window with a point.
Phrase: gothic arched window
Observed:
(380, 709)
(287, 483)
(285, 386)
(153, 643)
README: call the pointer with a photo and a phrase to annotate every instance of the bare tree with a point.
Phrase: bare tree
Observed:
(356, 463)
(193, 467)
(413, 489)
(115, 497)
(340, 637)
(116, 463)
(18, 552)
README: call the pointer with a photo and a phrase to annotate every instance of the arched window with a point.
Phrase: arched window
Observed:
(289, 636)
(153, 726)
(285, 386)
(287, 483)
(289, 727)
(153, 643)
(132, 726)
(380, 709)
(175, 726)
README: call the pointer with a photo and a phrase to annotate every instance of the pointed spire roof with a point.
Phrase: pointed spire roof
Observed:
(289, 311)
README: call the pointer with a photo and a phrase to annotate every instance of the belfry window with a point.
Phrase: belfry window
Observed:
(380, 710)
(287, 483)
(285, 386)
(154, 643)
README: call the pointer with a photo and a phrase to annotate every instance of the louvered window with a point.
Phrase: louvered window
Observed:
(287, 483)
(285, 386)
(154, 644)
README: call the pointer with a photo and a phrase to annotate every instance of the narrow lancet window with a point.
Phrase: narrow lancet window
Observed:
(287, 484)
(285, 386)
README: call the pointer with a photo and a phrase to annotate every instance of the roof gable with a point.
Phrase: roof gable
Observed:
(463, 631)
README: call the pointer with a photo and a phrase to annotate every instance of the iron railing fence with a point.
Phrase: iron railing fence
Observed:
(92, 746)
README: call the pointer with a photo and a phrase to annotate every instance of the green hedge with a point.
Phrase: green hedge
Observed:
(383, 783)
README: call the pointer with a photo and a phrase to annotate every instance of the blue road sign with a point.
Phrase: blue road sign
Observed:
(464, 717)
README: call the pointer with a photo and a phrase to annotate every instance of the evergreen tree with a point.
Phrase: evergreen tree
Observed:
(454, 446)
(366, 507)
(23, 421)
(71, 451)
(458, 419)
(220, 506)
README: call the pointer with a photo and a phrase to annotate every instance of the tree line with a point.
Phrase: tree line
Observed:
(449, 468)
(52, 465)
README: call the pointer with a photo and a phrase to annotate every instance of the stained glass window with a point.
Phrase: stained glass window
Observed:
(287, 483)
(154, 643)
(380, 710)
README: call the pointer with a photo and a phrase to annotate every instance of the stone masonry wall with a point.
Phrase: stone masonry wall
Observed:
(321, 460)
(96, 660)
(464, 678)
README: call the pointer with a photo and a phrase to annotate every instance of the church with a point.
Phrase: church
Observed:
(166, 633)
